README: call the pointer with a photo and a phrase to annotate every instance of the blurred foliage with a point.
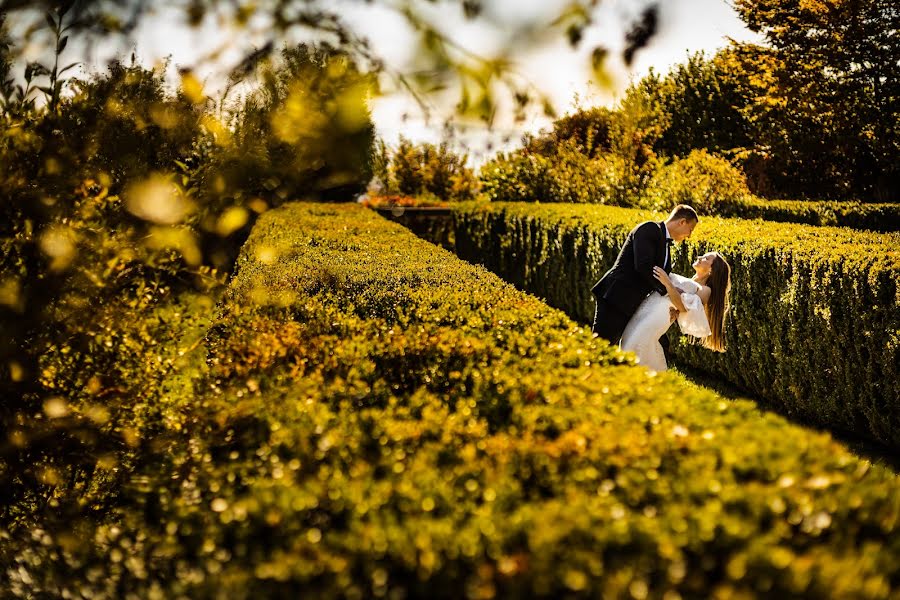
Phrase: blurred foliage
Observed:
(441, 62)
(433, 173)
(816, 310)
(305, 131)
(123, 210)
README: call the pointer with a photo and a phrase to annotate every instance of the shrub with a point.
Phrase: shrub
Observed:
(516, 177)
(858, 215)
(306, 131)
(424, 170)
(708, 183)
(117, 202)
(588, 129)
(816, 309)
(568, 176)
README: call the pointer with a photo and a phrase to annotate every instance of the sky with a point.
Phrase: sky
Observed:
(563, 73)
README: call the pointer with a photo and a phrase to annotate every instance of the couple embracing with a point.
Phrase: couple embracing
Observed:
(639, 297)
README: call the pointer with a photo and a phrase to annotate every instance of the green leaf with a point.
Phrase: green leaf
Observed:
(50, 21)
(62, 45)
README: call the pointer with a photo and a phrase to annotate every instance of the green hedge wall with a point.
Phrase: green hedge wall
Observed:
(815, 325)
(858, 215)
(381, 419)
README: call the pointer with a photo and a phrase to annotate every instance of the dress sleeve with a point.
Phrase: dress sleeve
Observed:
(693, 322)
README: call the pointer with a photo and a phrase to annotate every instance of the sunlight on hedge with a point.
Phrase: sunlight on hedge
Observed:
(790, 284)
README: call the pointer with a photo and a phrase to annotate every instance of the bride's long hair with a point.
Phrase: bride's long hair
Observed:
(719, 282)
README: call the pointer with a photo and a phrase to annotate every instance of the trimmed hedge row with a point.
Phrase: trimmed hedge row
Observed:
(873, 217)
(815, 325)
(382, 419)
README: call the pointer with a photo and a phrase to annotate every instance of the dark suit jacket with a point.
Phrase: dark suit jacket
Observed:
(630, 279)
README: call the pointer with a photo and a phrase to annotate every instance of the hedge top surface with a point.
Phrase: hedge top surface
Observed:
(819, 243)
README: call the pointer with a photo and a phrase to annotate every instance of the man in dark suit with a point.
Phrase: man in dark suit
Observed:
(622, 289)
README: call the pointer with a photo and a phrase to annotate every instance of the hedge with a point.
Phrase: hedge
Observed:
(815, 325)
(870, 216)
(381, 419)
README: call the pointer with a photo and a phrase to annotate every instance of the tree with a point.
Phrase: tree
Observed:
(589, 129)
(837, 92)
(425, 169)
(703, 100)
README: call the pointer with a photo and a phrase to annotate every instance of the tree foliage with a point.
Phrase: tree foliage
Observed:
(441, 62)
(837, 86)
(306, 130)
(703, 99)
(813, 113)
(433, 171)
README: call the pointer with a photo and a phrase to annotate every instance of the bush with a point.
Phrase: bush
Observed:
(568, 176)
(588, 129)
(119, 202)
(816, 309)
(858, 215)
(380, 418)
(424, 170)
(305, 132)
(708, 183)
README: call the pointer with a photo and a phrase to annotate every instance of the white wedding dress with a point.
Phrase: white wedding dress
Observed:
(651, 320)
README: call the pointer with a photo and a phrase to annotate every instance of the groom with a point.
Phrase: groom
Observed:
(622, 289)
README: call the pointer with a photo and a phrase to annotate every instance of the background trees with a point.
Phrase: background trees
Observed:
(430, 171)
(814, 113)
(835, 67)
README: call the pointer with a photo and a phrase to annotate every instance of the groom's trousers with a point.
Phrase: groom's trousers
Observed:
(609, 321)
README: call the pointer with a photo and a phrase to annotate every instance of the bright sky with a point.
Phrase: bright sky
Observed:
(687, 26)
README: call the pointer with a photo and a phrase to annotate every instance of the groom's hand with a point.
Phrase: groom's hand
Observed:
(673, 314)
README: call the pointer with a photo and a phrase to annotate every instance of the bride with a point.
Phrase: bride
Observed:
(702, 303)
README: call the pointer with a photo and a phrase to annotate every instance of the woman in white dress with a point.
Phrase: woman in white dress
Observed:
(702, 303)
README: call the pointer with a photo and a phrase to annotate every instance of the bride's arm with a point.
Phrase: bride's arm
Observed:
(674, 294)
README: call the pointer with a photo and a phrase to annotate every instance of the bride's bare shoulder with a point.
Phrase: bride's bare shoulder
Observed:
(704, 292)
